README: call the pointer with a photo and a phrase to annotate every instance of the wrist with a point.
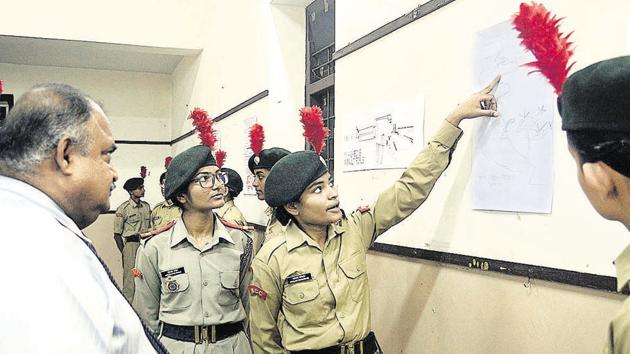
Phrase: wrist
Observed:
(454, 119)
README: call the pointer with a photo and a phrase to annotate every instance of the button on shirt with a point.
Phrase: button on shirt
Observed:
(58, 297)
(186, 286)
(323, 293)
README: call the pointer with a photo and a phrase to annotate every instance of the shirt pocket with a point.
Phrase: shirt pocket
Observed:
(175, 294)
(229, 294)
(354, 268)
(133, 219)
(301, 305)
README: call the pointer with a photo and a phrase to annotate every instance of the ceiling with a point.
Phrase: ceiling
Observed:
(91, 55)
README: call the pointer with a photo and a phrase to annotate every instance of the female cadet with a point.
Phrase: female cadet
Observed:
(314, 273)
(595, 112)
(192, 277)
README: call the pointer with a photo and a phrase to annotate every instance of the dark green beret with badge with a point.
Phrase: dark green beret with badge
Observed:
(133, 183)
(267, 158)
(184, 166)
(235, 183)
(290, 176)
(597, 97)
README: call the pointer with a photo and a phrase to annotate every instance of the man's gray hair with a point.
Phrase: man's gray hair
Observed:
(40, 119)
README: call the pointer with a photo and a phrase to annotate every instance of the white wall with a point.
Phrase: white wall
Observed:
(158, 23)
(263, 50)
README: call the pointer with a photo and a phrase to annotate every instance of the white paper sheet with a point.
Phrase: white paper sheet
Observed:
(513, 154)
(383, 137)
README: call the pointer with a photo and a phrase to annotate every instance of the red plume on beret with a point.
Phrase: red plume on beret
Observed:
(314, 130)
(220, 156)
(143, 171)
(256, 138)
(539, 31)
(203, 125)
(167, 161)
(0, 87)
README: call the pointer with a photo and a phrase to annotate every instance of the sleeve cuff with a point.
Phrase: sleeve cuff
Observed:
(448, 134)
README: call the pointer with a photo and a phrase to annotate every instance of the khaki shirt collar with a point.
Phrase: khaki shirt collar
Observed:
(228, 204)
(134, 204)
(622, 263)
(296, 237)
(180, 233)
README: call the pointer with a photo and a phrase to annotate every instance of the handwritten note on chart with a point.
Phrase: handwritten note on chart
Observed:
(512, 163)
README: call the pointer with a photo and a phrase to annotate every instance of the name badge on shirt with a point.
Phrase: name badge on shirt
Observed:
(173, 272)
(299, 278)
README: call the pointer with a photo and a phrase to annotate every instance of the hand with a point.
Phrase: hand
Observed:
(480, 104)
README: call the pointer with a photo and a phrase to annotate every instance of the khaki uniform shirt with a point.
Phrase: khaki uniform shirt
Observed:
(163, 213)
(323, 293)
(132, 219)
(230, 212)
(274, 227)
(618, 341)
(183, 285)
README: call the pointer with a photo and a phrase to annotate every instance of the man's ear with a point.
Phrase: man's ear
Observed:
(64, 155)
(292, 208)
(599, 179)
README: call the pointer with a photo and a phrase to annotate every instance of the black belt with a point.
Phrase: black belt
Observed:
(200, 334)
(366, 346)
(132, 238)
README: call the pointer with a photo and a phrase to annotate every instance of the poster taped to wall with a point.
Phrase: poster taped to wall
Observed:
(512, 161)
(383, 137)
(248, 188)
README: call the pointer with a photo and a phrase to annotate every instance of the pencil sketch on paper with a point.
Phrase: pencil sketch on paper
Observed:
(512, 161)
(388, 140)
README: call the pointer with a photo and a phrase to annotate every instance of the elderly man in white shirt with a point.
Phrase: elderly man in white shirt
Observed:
(55, 179)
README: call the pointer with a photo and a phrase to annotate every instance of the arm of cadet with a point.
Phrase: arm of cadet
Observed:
(413, 187)
(146, 299)
(119, 224)
(265, 300)
(398, 201)
(245, 271)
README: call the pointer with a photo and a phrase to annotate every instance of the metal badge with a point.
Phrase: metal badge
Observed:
(256, 160)
(172, 285)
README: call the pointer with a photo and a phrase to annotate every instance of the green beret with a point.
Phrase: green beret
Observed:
(184, 166)
(133, 183)
(235, 183)
(290, 176)
(267, 158)
(597, 97)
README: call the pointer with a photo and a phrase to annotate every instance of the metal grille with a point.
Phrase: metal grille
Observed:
(326, 100)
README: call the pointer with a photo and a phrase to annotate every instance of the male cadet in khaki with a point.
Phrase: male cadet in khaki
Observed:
(133, 217)
(260, 165)
(229, 211)
(165, 211)
(595, 110)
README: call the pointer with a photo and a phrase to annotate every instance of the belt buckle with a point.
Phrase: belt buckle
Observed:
(201, 334)
(213, 334)
(347, 348)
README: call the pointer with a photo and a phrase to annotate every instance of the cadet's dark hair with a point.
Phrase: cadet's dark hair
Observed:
(283, 215)
(39, 120)
(612, 148)
(162, 177)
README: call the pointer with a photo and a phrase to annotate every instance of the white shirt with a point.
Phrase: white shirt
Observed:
(55, 296)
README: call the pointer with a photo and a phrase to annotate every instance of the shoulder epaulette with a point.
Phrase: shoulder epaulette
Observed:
(152, 233)
(270, 246)
(236, 226)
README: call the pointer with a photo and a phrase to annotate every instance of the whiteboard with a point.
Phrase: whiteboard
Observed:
(432, 57)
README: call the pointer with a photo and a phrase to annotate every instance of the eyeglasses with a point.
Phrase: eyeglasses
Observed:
(209, 180)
